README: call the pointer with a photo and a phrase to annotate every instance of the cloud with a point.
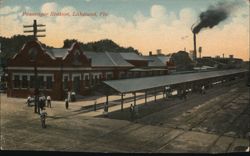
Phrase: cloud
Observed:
(157, 11)
(48, 7)
(162, 29)
(9, 10)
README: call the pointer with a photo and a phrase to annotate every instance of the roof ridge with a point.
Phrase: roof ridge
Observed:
(111, 58)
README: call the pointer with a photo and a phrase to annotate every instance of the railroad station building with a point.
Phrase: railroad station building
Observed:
(60, 70)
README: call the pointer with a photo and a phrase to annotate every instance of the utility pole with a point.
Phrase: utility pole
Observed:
(35, 30)
(200, 50)
(35, 36)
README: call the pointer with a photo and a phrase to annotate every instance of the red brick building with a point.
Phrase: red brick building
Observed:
(60, 70)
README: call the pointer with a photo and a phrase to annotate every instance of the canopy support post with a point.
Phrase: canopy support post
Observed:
(107, 102)
(134, 98)
(122, 102)
(155, 94)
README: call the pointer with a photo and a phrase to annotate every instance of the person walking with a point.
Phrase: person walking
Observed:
(66, 103)
(185, 95)
(48, 101)
(131, 110)
(40, 103)
(43, 115)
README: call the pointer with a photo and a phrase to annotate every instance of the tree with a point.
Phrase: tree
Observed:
(182, 61)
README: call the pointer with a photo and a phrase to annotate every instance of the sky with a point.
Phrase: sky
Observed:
(146, 25)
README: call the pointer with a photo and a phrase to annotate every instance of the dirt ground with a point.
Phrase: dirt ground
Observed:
(216, 122)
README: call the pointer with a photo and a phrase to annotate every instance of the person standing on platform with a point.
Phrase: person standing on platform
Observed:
(203, 89)
(48, 101)
(131, 109)
(29, 100)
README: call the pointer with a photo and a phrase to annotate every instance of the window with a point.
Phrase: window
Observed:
(32, 81)
(65, 82)
(96, 79)
(86, 78)
(33, 54)
(122, 75)
(24, 81)
(40, 82)
(49, 82)
(91, 79)
(16, 81)
(109, 76)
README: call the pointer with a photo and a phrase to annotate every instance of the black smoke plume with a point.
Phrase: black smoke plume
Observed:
(213, 16)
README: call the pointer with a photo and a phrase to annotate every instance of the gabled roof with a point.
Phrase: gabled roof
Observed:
(154, 61)
(157, 61)
(57, 52)
(107, 59)
(164, 59)
(132, 56)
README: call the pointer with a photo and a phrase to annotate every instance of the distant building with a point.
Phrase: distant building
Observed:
(221, 62)
(61, 70)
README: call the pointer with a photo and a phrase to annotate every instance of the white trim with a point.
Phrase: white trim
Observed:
(22, 74)
(98, 74)
(109, 73)
(86, 74)
(75, 75)
(65, 75)
(32, 74)
(58, 68)
(45, 76)
(13, 76)
(48, 68)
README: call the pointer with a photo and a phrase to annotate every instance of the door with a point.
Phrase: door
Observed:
(76, 84)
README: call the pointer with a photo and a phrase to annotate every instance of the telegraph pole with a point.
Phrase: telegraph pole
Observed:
(35, 30)
(35, 36)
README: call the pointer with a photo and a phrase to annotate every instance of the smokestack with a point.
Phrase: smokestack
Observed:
(158, 51)
(195, 52)
(150, 53)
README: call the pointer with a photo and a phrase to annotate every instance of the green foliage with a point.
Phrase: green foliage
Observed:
(182, 61)
(11, 46)
(99, 46)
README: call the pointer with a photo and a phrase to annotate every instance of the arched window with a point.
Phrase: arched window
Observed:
(33, 53)
(76, 59)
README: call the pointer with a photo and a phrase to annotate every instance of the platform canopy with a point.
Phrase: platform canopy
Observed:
(146, 83)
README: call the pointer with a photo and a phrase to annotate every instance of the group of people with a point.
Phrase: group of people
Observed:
(184, 95)
(134, 111)
(42, 101)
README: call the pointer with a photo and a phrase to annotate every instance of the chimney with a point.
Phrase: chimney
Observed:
(194, 54)
(158, 51)
(222, 55)
(150, 53)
